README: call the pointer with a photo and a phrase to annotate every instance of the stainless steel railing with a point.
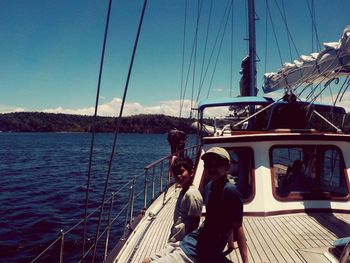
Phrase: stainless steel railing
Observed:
(153, 185)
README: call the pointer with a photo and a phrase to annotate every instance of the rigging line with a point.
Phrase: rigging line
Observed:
(341, 97)
(274, 32)
(256, 113)
(231, 68)
(246, 24)
(183, 58)
(312, 28)
(287, 28)
(213, 49)
(315, 25)
(302, 80)
(321, 90)
(327, 121)
(326, 76)
(313, 21)
(307, 78)
(330, 92)
(205, 46)
(266, 42)
(94, 126)
(312, 31)
(314, 67)
(310, 97)
(323, 118)
(304, 89)
(118, 126)
(288, 37)
(189, 68)
(219, 51)
(199, 9)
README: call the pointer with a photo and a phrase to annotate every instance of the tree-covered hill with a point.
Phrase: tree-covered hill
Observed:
(51, 122)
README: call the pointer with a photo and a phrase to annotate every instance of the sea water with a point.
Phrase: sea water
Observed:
(43, 185)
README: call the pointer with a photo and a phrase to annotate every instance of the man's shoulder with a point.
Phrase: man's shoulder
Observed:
(193, 191)
(231, 189)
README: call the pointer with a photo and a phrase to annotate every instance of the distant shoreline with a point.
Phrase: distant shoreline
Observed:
(64, 123)
(68, 123)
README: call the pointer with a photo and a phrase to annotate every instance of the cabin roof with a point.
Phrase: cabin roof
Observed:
(226, 101)
(253, 100)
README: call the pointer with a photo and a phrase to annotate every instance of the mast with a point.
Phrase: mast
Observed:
(252, 55)
(252, 48)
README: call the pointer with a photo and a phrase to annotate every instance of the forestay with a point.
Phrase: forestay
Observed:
(333, 61)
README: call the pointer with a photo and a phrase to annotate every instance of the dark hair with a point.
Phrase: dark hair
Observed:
(184, 162)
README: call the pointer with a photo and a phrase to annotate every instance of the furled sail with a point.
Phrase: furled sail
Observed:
(333, 61)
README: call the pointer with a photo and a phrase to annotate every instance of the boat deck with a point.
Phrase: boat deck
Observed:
(286, 238)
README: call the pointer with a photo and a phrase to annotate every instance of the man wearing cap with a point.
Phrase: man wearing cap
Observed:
(224, 211)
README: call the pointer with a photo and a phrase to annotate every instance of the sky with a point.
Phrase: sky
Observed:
(50, 51)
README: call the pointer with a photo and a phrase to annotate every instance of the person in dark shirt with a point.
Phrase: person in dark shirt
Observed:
(177, 140)
(224, 212)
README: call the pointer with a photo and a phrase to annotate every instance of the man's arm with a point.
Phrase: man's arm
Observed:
(193, 223)
(241, 240)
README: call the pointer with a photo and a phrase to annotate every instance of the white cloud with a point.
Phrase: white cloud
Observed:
(6, 109)
(169, 107)
(112, 108)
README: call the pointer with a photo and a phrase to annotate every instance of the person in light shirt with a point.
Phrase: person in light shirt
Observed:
(189, 203)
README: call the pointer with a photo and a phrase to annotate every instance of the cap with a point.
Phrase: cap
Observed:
(221, 152)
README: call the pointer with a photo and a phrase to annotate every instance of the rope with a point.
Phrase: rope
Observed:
(189, 69)
(219, 51)
(307, 78)
(341, 97)
(183, 59)
(254, 114)
(266, 38)
(199, 9)
(213, 50)
(274, 31)
(118, 126)
(324, 78)
(288, 37)
(287, 28)
(231, 68)
(94, 126)
(313, 20)
(327, 121)
(205, 46)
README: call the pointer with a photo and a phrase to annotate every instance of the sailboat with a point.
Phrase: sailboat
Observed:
(286, 218)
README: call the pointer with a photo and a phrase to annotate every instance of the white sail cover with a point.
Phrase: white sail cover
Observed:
(332, 61)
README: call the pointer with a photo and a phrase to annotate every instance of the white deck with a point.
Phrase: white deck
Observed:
(286, 238)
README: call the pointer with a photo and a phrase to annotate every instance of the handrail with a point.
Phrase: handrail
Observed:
(157, 183)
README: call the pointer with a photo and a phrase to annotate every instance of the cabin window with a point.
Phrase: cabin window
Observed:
(308, 172)
(241, 168)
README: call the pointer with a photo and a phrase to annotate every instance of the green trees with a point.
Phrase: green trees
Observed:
(51, 122)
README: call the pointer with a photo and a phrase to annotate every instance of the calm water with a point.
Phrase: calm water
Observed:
(43, 183)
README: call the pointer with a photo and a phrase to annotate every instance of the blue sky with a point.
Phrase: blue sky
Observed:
(50, 50)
